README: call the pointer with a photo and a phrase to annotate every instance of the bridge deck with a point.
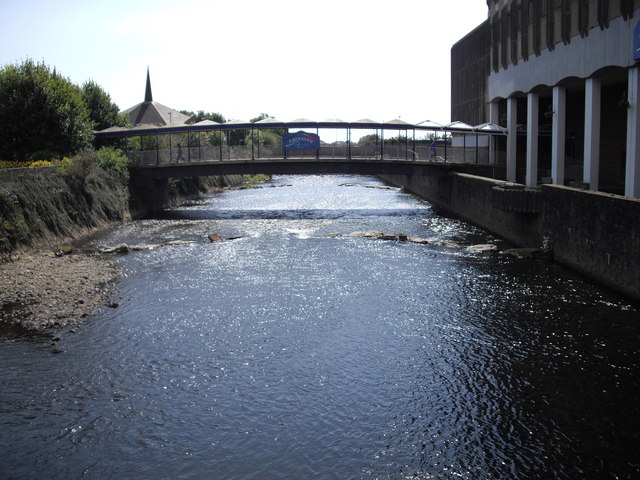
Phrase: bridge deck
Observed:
(299, 166)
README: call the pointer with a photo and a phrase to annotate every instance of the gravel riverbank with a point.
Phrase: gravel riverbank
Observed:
(42, 291)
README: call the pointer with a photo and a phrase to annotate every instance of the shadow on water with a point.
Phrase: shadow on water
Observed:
(10, 330)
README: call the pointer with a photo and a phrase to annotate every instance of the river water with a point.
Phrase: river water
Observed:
(286, 354)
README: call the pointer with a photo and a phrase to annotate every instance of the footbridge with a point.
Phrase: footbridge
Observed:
(300, 147)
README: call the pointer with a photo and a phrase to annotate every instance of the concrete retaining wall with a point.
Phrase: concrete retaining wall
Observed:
(594, 233)
(597, 234)
(472, 198)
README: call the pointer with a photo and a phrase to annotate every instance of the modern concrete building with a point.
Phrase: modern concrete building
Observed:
(564, 77)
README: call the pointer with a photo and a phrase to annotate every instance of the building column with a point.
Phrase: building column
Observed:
(558, 134)
(512, 126)
(592, 133)
(493, 118)
(632, 174)
(533, 106)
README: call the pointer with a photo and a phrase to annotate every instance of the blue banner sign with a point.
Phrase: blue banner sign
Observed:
(636, 42)
(301, 141)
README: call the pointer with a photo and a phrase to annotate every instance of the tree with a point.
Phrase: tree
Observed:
(102, 111)
(202, 115)
(42, 114)
(372, 139)
(271, 136)
(262, 116)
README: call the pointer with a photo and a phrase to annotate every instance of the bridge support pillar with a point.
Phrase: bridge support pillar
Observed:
(493, 118)
(558, 134)
(592, 133)
(512, 136)
(533, 106)
(632, 178)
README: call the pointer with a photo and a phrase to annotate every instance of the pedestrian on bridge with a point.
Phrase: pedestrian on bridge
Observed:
(432, 150)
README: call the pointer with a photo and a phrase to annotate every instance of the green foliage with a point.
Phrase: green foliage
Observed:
(202, 115)
(213, 138)
(372, 139)
(113, 159)
(40, 111)
(272, 136)
(254, 179)
(79, 166)
(262, 116)
(102, 111)
(83, 164)
(37, 205)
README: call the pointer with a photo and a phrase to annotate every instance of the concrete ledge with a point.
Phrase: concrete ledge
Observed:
(594, 233)
(516, 198)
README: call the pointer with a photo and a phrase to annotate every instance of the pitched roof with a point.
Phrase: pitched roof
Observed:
(154, 113)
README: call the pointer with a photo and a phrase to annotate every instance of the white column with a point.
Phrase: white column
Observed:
(533, 105)
(632, 175)
(558, 134)
(493, 118)
(512, 121)
(592, 133)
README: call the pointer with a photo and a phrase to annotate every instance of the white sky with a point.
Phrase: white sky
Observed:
(349, 59)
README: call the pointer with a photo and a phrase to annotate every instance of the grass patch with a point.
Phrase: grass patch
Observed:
(255, 179)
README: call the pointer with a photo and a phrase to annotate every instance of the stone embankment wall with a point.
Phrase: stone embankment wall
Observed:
(47, 206)
(593, 233)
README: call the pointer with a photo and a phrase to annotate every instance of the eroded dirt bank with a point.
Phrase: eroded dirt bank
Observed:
(42, 290)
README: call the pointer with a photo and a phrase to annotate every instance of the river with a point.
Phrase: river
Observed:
(283, 353)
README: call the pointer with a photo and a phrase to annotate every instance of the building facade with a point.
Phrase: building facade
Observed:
(563, 77)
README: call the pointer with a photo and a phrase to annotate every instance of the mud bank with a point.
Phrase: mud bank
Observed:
(42, 209)
(42, 291)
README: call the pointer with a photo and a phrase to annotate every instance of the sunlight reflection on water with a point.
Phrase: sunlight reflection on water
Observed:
(285, 354)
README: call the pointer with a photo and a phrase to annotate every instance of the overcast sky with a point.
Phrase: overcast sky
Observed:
(347, 59)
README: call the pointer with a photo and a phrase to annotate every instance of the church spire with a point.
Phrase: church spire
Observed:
(147, 94)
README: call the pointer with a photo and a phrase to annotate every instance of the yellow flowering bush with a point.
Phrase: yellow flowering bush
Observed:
(37, 163)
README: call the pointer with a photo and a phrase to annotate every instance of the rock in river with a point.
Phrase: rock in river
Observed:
(483, 247)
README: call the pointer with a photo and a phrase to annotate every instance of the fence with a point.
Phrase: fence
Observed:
(216, 153)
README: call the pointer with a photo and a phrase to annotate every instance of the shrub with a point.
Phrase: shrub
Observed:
(79, 166)
(113, 159)
(39, 163)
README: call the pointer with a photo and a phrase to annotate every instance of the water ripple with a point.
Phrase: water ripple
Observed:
(283, 354)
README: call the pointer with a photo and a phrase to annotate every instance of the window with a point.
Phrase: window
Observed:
(515, 23)
(583, 17)
(537, 21)
(626, 9)
(495, 42)
(550, 22)
(603, 14)
(565, 21)
(504, 37)
(524, 29)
